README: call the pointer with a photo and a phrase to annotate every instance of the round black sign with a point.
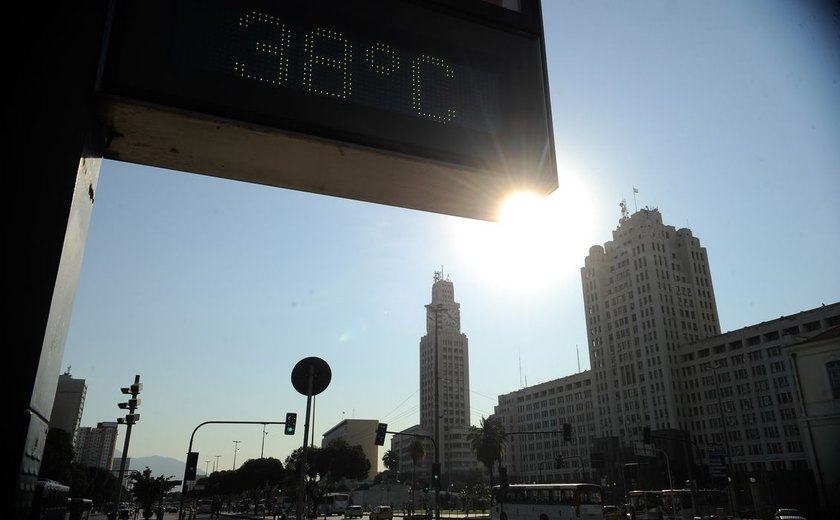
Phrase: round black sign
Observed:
(313, 367)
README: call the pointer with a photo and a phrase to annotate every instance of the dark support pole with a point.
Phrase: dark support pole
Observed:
(304, 453)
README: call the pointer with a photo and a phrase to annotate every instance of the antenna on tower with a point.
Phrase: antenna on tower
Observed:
(625, 216)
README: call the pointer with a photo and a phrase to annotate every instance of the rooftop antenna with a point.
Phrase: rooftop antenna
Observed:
(520, 367)
(625, 216)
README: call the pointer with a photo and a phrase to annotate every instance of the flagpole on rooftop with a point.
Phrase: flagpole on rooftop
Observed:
(635, 191)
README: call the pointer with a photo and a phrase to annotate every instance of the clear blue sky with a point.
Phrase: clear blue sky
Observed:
(724, 114)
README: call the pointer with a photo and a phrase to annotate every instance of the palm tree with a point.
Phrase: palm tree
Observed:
(417, 453)
(391, 460)
(488, 443)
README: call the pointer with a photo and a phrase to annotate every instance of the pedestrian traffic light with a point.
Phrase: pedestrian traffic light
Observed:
(291, 422)
(646, 435)
(436, 475)
(558, 461)
(381, 430)
(567, 432)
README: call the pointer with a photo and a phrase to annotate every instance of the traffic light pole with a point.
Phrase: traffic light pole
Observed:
(189, 450)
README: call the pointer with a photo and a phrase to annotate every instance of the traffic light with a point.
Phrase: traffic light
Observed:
(192, 465)
(646, 435)
(558, 461)
(436, 475)
(567, 432)
(291, 422)
(381, 430)
(503, 479)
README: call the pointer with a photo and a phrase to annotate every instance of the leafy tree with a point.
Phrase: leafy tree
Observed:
(223, 483)
(488, 442)
(325, 469)
(259, 473)
(97, 484)
(58, 456)
(147, 490)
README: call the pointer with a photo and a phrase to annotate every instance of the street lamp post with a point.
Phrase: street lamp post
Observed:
(235, 449)
(262, 448)
(190, 471)
(668, 467)
(624, 477)
(733, 500)
(216, 465)
(131, 418)
(436, 309)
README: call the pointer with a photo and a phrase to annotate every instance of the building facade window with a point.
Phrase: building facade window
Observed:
(833, 369)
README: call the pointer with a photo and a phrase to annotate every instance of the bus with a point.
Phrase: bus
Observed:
(580, 501)
(688, 504)
(334, 503)
(645, 504)
(50, 500)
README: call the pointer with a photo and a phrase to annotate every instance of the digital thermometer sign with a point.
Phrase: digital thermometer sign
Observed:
(339, 61)
(432, 105)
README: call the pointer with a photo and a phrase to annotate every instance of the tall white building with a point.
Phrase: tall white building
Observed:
(444, 388)
(95, 447)
(645, 292)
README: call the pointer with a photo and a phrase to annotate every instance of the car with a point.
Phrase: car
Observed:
(787, 513)
(170, 509)
(382, 513)
(354, 512)
(205, 505)
(612, 513)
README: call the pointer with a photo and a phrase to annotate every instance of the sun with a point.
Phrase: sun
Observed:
(536, 242)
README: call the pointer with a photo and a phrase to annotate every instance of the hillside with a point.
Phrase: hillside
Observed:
(166, 466)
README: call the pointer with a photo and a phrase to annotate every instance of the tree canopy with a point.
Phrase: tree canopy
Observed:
(326, 469)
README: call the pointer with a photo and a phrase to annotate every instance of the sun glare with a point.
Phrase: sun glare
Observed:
(536, 242)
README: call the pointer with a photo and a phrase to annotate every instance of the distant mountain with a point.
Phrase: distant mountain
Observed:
(166, 466)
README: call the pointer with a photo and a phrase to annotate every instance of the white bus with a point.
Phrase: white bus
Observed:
(645, 504)
(547, 501)
(688, 504)
(334, 503)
